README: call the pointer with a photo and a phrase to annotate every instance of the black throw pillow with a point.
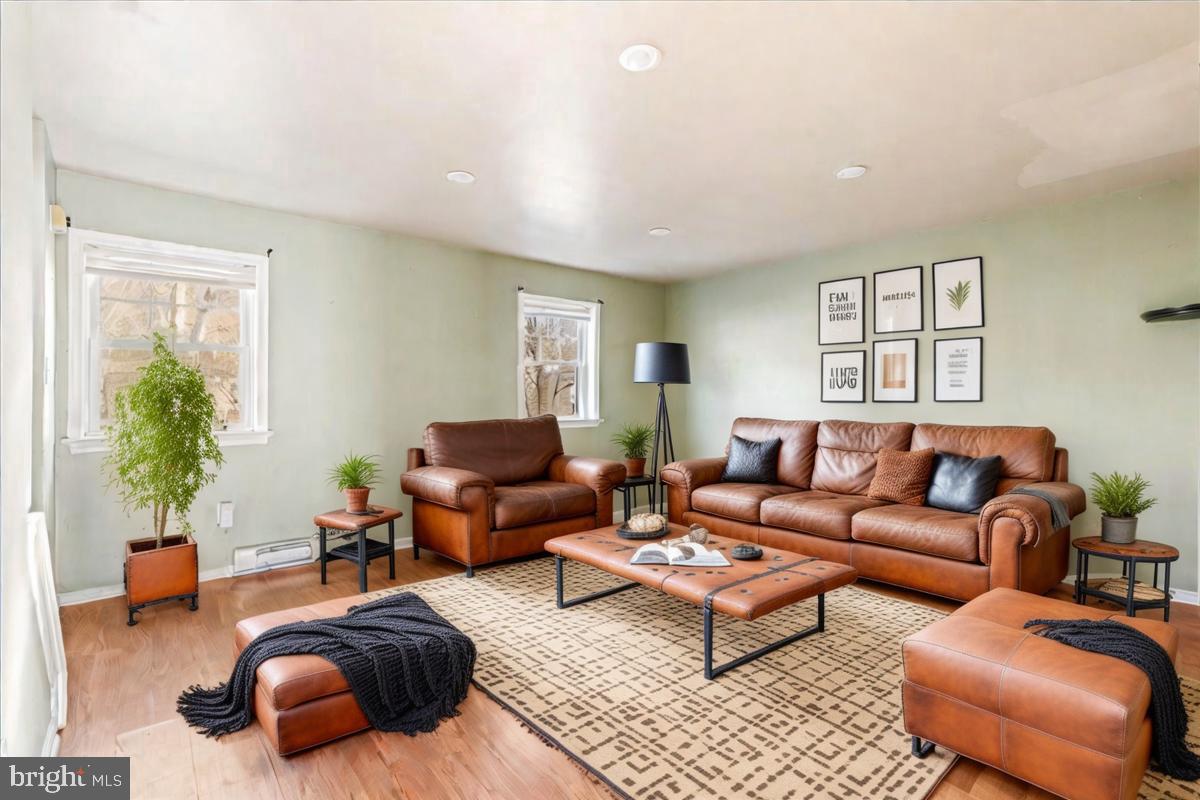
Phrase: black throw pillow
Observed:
(962, 483)
(751, 462)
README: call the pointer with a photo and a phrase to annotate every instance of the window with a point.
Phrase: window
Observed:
(557, 370)
(211, 304)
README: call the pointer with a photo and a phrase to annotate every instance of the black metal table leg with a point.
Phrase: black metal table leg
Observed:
(392, 549)
(1079, 597)
(323, 559)
(1167, 592)
(1130, 611)
(628, 504)
(574, 601)
(711, 672)
(362, 559)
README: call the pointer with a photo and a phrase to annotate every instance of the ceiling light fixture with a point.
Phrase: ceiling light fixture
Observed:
(851, 172)
(659, 231)
(640, 57)
(459, 176)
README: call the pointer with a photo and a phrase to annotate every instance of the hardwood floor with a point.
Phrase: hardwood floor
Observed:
(124, 681)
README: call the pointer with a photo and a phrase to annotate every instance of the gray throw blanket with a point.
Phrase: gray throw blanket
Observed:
(1059, 516)
(407, 667)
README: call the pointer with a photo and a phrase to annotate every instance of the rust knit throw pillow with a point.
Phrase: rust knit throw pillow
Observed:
(902, 476)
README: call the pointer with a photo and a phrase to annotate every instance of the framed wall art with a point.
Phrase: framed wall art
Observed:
(843, 377)
(958, 370)
(894, 371)
(899, 305)
(958, 294)
(840, 312)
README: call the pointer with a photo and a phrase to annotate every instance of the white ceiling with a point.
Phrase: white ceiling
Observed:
(355, 112)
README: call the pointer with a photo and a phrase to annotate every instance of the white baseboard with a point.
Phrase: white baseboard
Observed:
(1177, 595)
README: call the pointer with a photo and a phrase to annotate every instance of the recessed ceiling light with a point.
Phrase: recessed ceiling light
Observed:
(660, 231)
(640, 57)
(852, 172)
(458, 176)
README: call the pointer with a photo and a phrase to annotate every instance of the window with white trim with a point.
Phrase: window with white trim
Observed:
(210, 304)
(558, 365)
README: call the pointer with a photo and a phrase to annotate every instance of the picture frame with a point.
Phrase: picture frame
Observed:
(894, 371)
(899, 300)
(958, 370)
(958, 294)
(840, 311)
(843, 376)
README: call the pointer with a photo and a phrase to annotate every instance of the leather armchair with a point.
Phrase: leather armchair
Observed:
(600, 475)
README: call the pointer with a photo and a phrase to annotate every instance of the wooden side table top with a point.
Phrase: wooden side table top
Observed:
(341, 520)
(1141, 549)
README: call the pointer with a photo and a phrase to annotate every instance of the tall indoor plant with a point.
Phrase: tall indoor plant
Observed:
(161, 448)
(634, 442)
(1120, 499)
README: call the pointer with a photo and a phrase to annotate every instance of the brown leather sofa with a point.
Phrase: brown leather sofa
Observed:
(1072, 722)
(820, 507)
(497, 489)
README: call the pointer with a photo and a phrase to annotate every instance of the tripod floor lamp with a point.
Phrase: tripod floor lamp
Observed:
(661, 363)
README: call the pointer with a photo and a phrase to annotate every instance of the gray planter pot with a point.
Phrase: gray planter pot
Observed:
(1118, 530)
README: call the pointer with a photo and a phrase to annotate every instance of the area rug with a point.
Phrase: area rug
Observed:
(618, 684)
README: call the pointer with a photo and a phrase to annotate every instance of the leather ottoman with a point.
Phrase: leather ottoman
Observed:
(1072, 722)
(302, 701)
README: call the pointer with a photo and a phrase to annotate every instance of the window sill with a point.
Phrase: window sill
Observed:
(98, 444)
(579, 423)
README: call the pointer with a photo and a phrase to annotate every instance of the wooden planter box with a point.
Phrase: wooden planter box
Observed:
(158, 575)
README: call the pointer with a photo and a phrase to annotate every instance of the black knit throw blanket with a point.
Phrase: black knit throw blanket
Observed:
(1168, 717)
(407, 667)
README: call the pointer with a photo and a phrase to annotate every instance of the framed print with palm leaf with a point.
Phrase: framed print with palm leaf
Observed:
(958, 294)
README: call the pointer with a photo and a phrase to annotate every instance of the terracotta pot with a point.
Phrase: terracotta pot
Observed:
(158, 573)
(356, 499)
(635, 467)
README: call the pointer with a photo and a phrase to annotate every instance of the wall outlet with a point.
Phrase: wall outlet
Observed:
(225, 514)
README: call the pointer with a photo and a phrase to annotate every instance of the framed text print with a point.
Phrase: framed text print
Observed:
(843, 377)
(840, 312)
(958, 370)
(958, 294)
(894, 371)
(899, 306)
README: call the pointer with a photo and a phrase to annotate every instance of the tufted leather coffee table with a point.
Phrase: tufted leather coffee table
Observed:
(745, 589)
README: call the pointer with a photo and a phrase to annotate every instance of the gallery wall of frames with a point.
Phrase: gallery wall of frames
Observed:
(897, 306)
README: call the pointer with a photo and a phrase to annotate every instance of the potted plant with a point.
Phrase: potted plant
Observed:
(1120, 499)
(634, 443)
(161, 443)
(355, 476)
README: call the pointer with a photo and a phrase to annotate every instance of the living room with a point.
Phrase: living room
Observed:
(894, 302)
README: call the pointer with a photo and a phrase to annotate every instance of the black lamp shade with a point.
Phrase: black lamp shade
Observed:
(661, 362)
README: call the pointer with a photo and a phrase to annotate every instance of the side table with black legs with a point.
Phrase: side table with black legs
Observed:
(628, 489)
(1130, 555)
(363, 549)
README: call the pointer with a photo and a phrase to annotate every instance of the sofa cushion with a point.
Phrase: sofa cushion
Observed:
(822, 513)
(961, 483)
(845, 461)
(902, 476)
(1027, 454)
(750, 461)
(736, 500)
(541, 501)
(921, 529)
(508, 451)
(798, 445)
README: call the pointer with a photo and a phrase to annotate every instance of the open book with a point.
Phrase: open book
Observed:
(678, 555)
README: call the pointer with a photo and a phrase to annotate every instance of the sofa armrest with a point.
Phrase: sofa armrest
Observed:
(601, 475)
(692, 474)
(445, 485)
(1031, 513)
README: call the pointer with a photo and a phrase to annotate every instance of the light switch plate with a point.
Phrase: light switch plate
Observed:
(225, 514)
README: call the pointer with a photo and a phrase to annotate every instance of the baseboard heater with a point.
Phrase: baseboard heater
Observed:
(273, 555)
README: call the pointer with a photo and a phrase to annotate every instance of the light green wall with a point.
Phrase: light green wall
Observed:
(1063, 345)
(372, 335)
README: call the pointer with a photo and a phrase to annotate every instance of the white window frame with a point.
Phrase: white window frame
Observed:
(165, 260)
(587, 377)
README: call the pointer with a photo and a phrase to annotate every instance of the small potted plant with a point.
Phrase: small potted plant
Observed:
(634, 443)
(161, 443)
(1120, 499)
(355, 476)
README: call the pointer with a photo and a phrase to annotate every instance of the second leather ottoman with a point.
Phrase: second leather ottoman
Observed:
(1070, 721)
